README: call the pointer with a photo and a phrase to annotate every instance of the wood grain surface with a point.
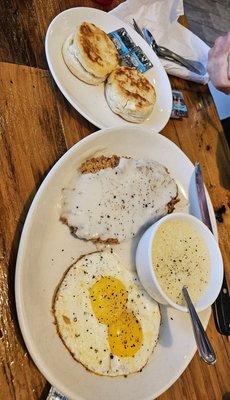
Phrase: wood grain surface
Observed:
(24, 24)
(37, 125)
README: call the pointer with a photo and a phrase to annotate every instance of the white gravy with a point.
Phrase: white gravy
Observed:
(180, 258)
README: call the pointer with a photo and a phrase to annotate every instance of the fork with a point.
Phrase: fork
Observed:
(163, 52)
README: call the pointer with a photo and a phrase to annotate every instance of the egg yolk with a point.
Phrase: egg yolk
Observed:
(125, 335)
(109, 302)
(108, 299)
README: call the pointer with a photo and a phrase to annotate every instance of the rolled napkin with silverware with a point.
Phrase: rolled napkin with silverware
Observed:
(160, 18)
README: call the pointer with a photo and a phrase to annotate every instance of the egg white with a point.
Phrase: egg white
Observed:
(79, 328)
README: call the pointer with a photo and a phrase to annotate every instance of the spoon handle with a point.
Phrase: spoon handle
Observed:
(163, 52)
(189, 64)
(203, 344)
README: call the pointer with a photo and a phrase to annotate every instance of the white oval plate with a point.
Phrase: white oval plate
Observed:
(47, 249)
(90, 100)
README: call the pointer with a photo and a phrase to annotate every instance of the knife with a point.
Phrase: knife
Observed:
(221, 307)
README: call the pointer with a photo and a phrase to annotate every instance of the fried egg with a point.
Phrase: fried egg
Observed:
(104, 317)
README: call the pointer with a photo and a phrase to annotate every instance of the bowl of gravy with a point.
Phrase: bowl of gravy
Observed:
(179, 250)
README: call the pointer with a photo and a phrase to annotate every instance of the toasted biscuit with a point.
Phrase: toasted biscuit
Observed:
(95, 50)
(74, 65)
(130, 94)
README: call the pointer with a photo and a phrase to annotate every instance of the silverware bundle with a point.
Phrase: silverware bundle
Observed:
(194, 66)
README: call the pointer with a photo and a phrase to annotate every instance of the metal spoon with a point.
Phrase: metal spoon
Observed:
(194, 66)
(203, 344)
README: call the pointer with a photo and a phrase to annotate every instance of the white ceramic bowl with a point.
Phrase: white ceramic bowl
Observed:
(147, 275)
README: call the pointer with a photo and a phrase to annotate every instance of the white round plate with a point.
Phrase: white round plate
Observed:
(90, 100)
(47, 249)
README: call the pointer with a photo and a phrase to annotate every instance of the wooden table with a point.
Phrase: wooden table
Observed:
(37, 125)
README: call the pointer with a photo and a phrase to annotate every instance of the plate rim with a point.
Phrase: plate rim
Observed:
(75, 105)
(21, 250)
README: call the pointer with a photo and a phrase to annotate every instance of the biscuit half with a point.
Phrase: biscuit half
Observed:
(95, 50)
(74, 65)
(130, 94)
